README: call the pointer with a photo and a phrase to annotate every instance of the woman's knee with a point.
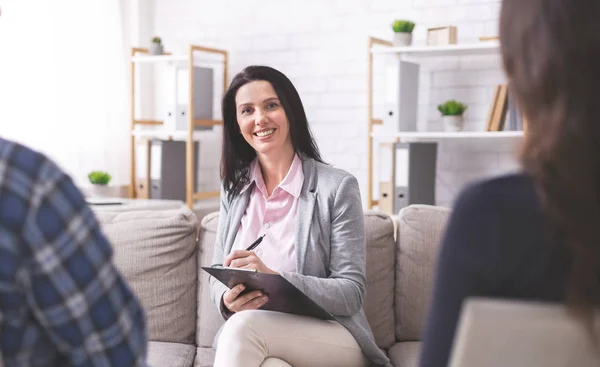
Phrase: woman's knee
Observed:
(238, 326)
(275, 362)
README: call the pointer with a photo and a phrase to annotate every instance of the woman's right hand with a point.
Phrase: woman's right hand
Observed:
(248, 301)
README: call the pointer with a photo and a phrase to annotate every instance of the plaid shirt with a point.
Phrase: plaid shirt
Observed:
(62, 302)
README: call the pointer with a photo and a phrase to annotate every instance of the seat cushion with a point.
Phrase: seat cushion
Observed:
(381, 255)
(420, 228)
(405, 354)
(209, 318)
(171, 354)
(156, 252)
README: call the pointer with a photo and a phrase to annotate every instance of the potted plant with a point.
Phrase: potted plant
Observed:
(99, 181)
(452, 115)
(156, 47)
(403, 32)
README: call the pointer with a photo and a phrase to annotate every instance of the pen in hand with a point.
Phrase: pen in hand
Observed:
(256, 243)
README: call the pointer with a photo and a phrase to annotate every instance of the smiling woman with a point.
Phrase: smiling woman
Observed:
(310, 218)
(261, 99)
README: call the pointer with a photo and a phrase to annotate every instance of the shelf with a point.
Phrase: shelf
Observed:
(197, 122)
(158, 58)
(150, 59)
(203, 122)
(488, 47)
(148, 122)
(168, 135)
(434, 135)
(206, 195)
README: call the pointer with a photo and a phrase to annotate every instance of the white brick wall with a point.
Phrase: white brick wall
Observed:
(321, 46)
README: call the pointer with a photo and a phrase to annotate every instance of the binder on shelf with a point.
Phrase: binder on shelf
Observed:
(142, 191)
(386, 197)
(414, 174)
(402, 97)
(168, 169)
(177, 97)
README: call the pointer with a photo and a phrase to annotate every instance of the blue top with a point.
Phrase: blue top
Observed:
(62, 302)
(497, 244)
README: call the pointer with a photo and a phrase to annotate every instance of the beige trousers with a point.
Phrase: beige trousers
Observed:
(273, 339)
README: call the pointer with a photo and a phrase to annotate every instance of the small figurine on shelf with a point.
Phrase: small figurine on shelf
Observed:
(156, 47)
(403, 32)
(99, 181)
(452, 115)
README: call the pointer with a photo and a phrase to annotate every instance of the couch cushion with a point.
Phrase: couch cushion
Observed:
(171, 354)
(420, 228)
(381, 255)
(209, 318)
(405, 354)
(156, 252)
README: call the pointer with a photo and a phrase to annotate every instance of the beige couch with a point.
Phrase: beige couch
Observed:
(160, 252)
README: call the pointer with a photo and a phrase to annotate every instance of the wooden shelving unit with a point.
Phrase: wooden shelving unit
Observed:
(378, 46)
(140, 55)
(485, 48)
(409, 137)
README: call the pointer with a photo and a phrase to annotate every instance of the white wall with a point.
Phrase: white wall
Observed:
(63, 85)
(322, 46)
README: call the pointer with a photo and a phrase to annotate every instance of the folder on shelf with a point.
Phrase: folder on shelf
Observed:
(283, 295)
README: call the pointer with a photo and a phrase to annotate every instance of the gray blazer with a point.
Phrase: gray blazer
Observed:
(330, 248)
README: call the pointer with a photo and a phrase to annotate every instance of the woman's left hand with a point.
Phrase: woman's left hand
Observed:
(242, 259)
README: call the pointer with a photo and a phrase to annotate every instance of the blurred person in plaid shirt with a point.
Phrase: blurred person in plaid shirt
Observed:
(62, 301)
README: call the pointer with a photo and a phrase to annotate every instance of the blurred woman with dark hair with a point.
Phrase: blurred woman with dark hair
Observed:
(276, 185)
(533, 235)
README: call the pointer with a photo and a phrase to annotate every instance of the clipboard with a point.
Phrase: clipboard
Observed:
(283, 295)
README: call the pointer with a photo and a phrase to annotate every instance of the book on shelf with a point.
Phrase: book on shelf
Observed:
(504, 114)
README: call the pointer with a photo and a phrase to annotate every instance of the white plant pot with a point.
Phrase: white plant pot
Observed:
(402, 39)
(101, 191)
(453, 123)
(155, 49)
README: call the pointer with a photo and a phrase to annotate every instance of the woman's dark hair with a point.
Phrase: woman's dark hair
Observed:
(551, 54)
(237, 154)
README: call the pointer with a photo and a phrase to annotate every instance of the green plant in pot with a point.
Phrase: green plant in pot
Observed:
(452, 115)
(403, 32)
(156, 47)
(99, 181)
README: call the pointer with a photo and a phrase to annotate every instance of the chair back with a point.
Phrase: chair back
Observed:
(495, 333)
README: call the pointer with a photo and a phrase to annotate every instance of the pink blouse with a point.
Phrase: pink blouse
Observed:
(274, 216)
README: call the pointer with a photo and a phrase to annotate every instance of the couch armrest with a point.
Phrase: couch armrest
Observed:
(209, 318)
